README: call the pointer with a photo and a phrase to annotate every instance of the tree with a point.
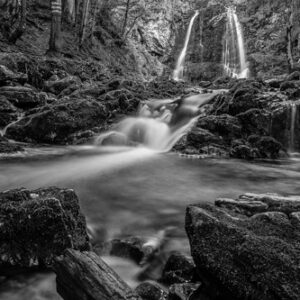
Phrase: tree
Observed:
(55, 35)
(88, 20)
(293, 34)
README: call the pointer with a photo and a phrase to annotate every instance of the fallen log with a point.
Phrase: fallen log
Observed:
(85, 276)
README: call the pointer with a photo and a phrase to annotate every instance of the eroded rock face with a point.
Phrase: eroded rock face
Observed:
(247, 248)
(38, 225)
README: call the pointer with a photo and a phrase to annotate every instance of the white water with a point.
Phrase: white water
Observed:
(178, 72)
(158, 125)
(292, 126)
(234, 54)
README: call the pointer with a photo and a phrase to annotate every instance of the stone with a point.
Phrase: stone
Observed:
(241, 256)
(38, 225)
(55, 122)
(178, 269)
(151, 291)
(130, 248)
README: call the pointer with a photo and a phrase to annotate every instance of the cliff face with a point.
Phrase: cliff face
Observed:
(161, 33)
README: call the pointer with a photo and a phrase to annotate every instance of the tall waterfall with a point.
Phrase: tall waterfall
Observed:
(158, 125)
(234, 56)
(178, 72)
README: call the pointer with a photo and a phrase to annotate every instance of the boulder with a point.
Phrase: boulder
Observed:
(130, 248)
(223, 125)
(247, 248)
(38, 225)
(178, 269)
(255, 121)
(54, 123)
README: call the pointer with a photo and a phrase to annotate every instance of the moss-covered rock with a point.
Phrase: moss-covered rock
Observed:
(38, 225)
(242, 253)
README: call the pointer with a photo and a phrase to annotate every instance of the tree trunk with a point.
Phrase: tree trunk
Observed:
(290, 43)
(55, 35)
(125, 18)
(84, 276)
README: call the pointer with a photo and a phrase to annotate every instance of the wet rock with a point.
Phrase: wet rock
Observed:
(38, 225)
(151, 291)
(128, 248)
(244, 151)
(255, 121)
(183, 291)
(23, 97)
(200, 137)
(178, 269)
(55, 122)
(224, 125)
(267, 146)
(242, 254)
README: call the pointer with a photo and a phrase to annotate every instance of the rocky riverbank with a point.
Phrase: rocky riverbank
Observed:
(244, 248)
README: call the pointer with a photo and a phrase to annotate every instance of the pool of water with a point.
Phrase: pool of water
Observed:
(126, 191)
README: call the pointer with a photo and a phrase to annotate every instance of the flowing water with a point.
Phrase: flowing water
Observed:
(178, 72)
(136, 187)
(234, 55)
(292, 127)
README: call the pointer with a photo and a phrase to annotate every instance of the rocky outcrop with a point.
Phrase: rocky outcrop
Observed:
(252, 120)
(54, 123)
(247, 248)
(38, 225)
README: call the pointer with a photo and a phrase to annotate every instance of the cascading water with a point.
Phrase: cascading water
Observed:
(3, 131)
(159, 124)
(292, 126)
(178, 72)
(234, 55)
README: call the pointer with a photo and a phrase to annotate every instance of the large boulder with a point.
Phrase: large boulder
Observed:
(38, 225)
(54, 123)
(247, 248)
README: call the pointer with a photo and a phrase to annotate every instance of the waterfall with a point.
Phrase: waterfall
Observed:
(234, 56)
(158, 125)
(292, 126)
(178, 72)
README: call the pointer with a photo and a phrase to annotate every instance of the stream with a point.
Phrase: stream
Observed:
(135, 191)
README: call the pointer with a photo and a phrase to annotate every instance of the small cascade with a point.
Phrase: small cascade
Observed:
(158, 125)
(4, 130)
(178, 72)
(292, 127)
(234, 55)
